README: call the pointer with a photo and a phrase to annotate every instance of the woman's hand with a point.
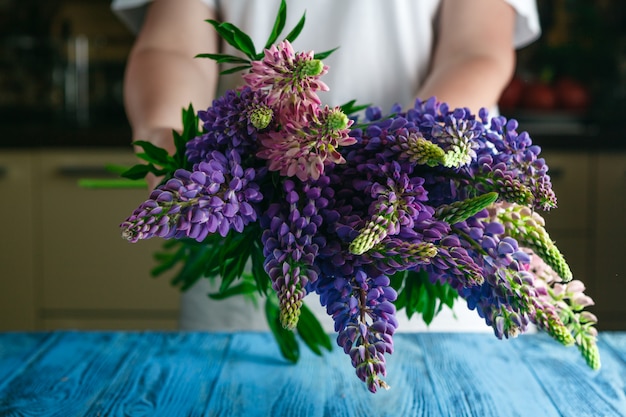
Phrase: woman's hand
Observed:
(163, 76)
(161, 137)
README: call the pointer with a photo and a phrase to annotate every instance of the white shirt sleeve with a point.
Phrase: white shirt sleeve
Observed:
(132, 12)
(527, 27)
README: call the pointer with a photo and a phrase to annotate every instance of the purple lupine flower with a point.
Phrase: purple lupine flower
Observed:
(456, 135)
(521, 158)
(505, 298)
(395, 204)
(362, 307)
(232, 122)
(218, 196)
(291, 245)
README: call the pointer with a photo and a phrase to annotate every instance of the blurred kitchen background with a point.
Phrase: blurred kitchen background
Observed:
(62, 261)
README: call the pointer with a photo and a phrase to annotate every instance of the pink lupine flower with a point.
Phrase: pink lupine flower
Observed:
(291, 78)
(302, 150)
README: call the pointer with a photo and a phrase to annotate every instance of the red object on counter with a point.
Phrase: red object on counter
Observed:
(571, 94)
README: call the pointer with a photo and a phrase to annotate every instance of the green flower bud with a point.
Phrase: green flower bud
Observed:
(312, 68)
(375, 231)
(462, 210)
(260, 117)
(423, 152)
(337, 120)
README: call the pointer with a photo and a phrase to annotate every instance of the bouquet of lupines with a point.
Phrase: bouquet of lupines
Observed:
(406, 209)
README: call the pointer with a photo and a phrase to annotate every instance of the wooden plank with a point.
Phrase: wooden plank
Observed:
(616, 342)
(19, 349)
(472, 374)
(574, 388)
(410, 392)
(201, 374)
(166, 374)
(257, 381)
(65, 377)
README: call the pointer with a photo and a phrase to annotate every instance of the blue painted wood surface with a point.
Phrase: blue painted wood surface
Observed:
(200, 374)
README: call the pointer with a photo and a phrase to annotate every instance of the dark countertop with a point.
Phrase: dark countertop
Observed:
(40, 136)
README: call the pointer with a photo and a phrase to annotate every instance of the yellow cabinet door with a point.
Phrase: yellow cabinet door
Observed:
(17, 255)
(610, 236)
(89, 272)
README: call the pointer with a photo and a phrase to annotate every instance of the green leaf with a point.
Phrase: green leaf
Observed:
(351, 107)
(245, 287)
(115, 169)
(397, 283)
(138, 171)
(233, 253)
(420, 296)
(167, 260)
(153, 153)
(295, 32)
(325, 54)
(311, 331)
(193, 266)
(245, 43)
(111, 183)
(235, 69)
(258, 271)
(224, 58)
(279, 24)
(285, 339)
(223, 32)
(428, 303)
(236, 37)
(190, 131)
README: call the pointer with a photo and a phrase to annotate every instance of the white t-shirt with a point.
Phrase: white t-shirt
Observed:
(389, 41)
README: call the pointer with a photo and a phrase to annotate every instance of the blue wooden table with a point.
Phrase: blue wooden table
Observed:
(199, 374)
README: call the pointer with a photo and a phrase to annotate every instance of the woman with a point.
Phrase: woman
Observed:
(392, 51)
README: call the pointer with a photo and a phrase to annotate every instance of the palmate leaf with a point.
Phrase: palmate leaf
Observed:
(190, 131)
(153, 154)
(311, 331)
(139, 171)
(261, 278)
(224, 58)
(235, 69)
(112, 183)
(194, 263)
(243, 288)
(173, 252)
(159, 162)
(235, 37)
(418, 295)
(233, 253)
(325, 54)
(243, 41)
(295, 32)
(351, 107)
(279, 24)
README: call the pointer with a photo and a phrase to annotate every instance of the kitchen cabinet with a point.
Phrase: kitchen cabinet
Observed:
(569, 224)
(609, 225)
(77, 271)
(18, 249)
